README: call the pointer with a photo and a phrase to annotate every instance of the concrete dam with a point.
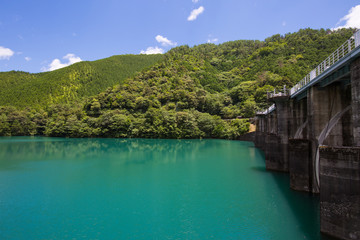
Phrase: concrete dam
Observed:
(312, 131)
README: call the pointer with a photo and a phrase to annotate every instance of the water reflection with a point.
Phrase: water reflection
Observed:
(260, 169)
(306, 212)
(124, 151)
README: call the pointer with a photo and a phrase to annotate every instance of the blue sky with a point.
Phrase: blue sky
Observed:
(42, 35)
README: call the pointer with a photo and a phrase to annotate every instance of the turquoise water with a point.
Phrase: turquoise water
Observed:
(54, 188)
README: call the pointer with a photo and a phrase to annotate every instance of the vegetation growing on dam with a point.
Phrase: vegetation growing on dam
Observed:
(189, 92)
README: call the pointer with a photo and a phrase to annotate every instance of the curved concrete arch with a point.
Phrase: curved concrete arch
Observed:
(300, 129)
(323, 135)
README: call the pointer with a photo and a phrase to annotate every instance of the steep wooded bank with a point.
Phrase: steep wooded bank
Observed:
(188, 94)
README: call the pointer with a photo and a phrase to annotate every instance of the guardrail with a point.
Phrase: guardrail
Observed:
(279, 94)
(267, 111)
(338, 54)
(273, 94)
(284, 93)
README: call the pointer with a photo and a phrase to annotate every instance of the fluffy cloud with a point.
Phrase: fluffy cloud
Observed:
(5, 53)
(195, 1)
(351, 20)
(195, 13)
(56, 63)
(152, 50)
(164, 41)
(28, 59)
(213, 40)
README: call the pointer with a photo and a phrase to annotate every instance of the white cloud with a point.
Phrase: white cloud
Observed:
(72, 58)
(152, 50)
(195, 1)
(28, 59)
(56, 63)
(164, 41)
(5, 53)
(352, 19)
(213, 40)
(195, 13)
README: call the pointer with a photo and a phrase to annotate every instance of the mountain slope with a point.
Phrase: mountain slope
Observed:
(194, 92)
(72, 83)
(234, 75)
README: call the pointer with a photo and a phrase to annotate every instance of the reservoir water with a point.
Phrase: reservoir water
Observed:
(57, 188)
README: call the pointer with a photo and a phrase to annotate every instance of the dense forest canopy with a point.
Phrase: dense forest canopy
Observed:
(189, 92)
(66, 85)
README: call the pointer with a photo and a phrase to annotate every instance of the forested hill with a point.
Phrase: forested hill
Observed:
(227, 80)
(193, 92)
(72, 83)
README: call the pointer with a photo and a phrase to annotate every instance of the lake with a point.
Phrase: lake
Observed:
(60, 188)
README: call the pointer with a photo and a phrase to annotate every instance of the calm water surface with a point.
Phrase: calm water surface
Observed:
(54, 188)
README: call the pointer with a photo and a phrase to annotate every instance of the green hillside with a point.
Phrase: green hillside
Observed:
(71, 83)
(194, 92)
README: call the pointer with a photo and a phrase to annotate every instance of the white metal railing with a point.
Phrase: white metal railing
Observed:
(279, 94)
(274, 94)
(266, 111)
(338, 54)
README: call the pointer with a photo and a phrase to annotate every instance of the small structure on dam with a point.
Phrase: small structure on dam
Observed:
(312, 131)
